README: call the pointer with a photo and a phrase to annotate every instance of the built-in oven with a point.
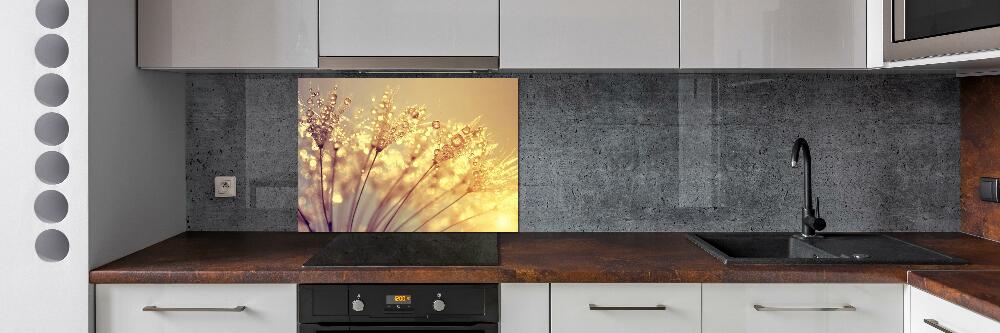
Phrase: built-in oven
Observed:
(928, 28)
(384, 308)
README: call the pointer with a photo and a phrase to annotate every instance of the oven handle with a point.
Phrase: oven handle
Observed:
(313, 328)
(486, 328)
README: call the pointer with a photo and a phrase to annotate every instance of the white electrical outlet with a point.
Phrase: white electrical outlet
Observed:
(225, 187)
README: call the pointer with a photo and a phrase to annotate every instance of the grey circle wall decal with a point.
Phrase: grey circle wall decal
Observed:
(51, 51)
(52, 245)
(51, 90)
(51, 206)
(52, 167)
(51, 129)
(52, 13)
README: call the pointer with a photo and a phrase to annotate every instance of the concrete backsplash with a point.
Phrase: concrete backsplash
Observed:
(639, 152)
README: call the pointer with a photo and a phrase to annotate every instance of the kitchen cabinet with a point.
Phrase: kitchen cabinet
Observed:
(930, 314)
(406, 28)
(126, 308)
(625, 307)
(193, 34)
(777, 34)
(524, 308)
(802, 308)
(582, 34)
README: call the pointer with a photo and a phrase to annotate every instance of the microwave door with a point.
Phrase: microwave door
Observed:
(916, 29)
(918, 19)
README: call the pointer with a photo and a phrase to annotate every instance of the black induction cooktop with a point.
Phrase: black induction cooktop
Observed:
(408, 249)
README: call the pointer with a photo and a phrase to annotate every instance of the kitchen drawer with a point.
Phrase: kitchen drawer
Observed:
(948, 316)
(625, 307)
(269, 308)
(802, 308)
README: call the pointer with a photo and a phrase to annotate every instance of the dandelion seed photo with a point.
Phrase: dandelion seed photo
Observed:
(408, 155)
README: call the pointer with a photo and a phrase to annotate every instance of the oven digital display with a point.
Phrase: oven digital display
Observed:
(398, 299)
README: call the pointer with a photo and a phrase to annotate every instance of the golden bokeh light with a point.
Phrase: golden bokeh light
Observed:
(429, 161)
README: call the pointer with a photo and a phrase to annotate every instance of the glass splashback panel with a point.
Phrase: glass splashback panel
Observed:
(408, 154)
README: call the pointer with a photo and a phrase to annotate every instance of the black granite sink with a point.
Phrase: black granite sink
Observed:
(833, 248)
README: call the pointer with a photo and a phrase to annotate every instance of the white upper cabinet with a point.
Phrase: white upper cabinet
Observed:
(227, 34)
(408, 28)
(571, 34)
(777, 34)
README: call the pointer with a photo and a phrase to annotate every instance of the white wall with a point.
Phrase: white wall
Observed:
(137, 185)
(38, 295)
(124, 187)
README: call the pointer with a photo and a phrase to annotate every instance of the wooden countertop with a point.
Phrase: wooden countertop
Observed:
(974, 290)
(267, 257)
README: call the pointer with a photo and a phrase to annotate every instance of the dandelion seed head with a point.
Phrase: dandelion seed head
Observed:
(456, 157)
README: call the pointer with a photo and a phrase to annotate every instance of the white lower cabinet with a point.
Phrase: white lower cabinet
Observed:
(625, 307)
(201, 308)
(569, 308)
(930, 314)
(524, 308)
(802, 308)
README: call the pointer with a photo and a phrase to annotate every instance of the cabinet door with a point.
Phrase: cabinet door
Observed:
(802, 308)
(930, 314)
(589, 34)
(524, 308)
(408, 28)
(196, 308)
(773, 34)
(227, 34)
(626, 307)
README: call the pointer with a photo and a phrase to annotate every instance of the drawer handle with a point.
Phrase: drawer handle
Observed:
(595, 307)
(759, 307)
(154, 308)
(935, 324)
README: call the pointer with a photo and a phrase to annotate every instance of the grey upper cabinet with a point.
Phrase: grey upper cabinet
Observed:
(775, 34)
(408, 28)
(581, 34)
(193, 34)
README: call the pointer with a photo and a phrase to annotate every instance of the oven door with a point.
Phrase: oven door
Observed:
(474, 328)
(916, 29)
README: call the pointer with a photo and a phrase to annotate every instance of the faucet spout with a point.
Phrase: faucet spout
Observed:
(810, 222)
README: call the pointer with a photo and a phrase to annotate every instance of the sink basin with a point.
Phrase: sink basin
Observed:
(836, 248)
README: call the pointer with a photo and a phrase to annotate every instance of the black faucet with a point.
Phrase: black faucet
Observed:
(810, 221)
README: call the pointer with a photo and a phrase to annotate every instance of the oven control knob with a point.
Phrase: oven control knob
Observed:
(358, 305)
(438, 305)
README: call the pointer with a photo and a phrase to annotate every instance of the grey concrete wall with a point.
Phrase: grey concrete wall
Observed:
(640, 152)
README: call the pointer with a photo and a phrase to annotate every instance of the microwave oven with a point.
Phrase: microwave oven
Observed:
(915, 29)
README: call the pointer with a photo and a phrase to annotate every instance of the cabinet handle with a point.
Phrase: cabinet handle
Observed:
(759, 307)
(935, 324)
(657, 307)
(154, 308)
